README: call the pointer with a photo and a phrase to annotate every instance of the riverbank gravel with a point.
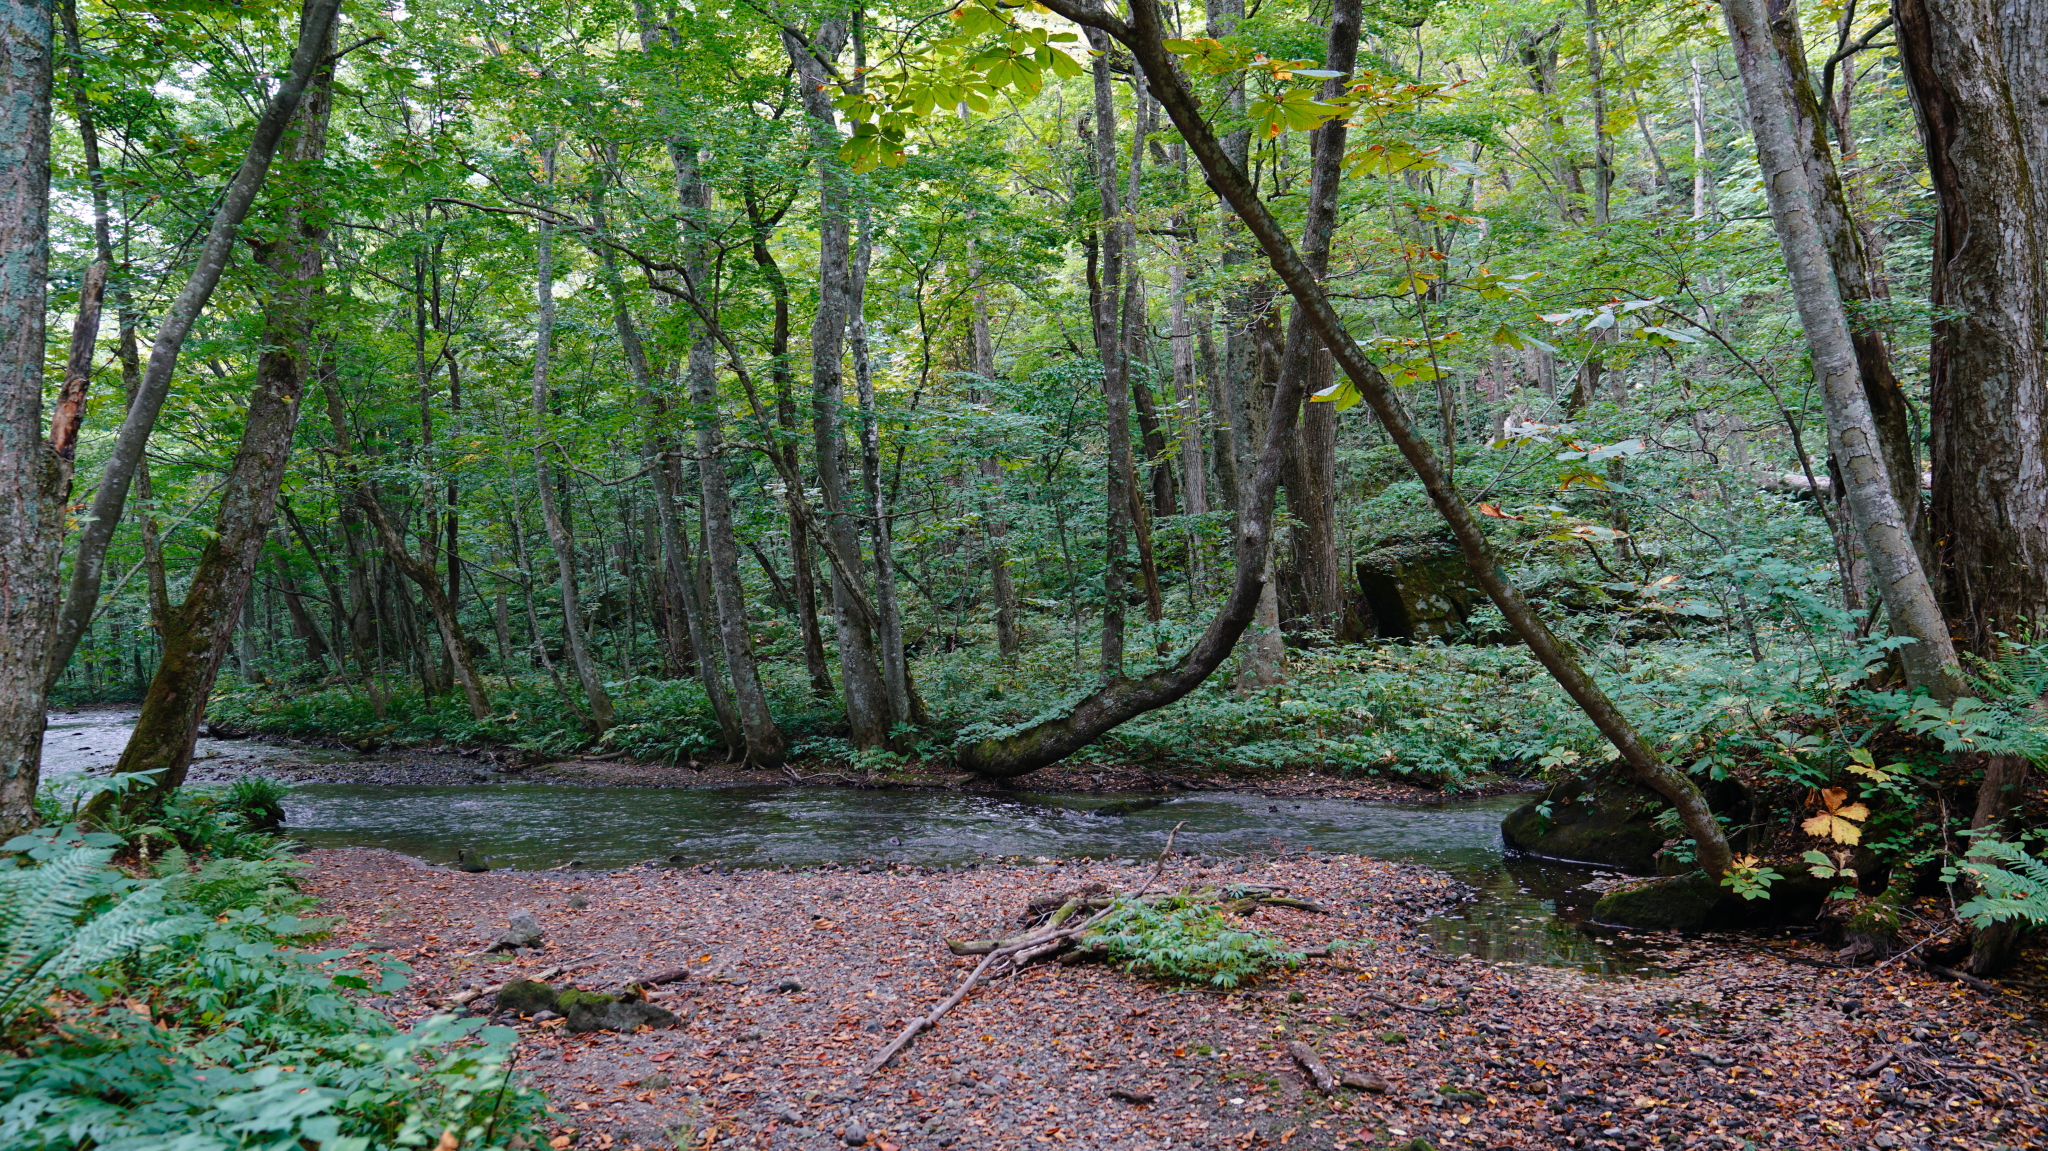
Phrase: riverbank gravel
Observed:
(798, 978)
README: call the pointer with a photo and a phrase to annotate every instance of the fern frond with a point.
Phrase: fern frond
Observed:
(2012, 885)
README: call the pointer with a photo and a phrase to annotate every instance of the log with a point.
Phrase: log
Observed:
(656, 979)
(1314, 1065)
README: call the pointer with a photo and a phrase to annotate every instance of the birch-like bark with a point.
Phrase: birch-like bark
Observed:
(88, 567)
(1930, 660)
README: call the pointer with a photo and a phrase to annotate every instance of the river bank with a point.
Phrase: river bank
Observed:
(799, 977)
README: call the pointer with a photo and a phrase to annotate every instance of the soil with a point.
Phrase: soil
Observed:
(798, 978)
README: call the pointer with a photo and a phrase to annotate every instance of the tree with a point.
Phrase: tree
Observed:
(1980, 90)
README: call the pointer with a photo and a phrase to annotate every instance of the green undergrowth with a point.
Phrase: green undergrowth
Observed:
(1180, 941)
(164, 987)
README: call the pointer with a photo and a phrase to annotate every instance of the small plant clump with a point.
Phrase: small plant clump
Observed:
(1180, 941)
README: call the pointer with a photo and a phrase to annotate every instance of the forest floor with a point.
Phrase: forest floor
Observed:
(800, 978)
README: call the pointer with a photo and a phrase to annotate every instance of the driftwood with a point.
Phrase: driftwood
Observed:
(1012, 954)
(1051, 911)
(1314, 1065)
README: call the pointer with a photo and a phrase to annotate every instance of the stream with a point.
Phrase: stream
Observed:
(1527, 910)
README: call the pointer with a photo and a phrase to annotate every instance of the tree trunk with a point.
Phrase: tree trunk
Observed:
(31, 501)
(1979, 84)
(867, 697)
(199, 629)
(1001, 586)
(889, 625)
(564, 547)
(1312, 482)
(764, 741)
(804, 578)
(316, 20)
(1930, 661)
(1120, 486)
(1856, 276)
(1603, 143)
(1050, 740)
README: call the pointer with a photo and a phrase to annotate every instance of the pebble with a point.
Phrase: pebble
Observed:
(789, 985)
(856, 1134)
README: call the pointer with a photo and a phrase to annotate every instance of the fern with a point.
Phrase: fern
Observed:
(51, 930)
(2011, 884)
(1187, 943)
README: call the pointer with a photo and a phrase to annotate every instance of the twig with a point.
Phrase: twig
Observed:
(1948, 973)
(1160, 866)
(1014, 954)
(1883, 1062)
(1437, 1010)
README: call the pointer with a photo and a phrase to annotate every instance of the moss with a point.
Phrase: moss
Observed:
(568, 1000)
(527, 997)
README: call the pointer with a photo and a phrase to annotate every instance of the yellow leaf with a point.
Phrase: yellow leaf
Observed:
(1826, 826)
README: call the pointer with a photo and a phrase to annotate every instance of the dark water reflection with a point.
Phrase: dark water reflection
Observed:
(1525, 911)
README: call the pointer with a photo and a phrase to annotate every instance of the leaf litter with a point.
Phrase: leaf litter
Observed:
(797, 979)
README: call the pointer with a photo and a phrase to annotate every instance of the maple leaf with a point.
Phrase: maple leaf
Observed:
(1840, 822)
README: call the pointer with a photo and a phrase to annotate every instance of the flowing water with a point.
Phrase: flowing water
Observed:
(1527, 910)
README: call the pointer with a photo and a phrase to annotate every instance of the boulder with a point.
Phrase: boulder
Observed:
(522, 930)
(1416, 589)
(1695, 902)
(526, 996)
(1689, 902)
(1608, 822)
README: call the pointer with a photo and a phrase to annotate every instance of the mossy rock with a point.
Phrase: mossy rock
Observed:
(1609, 822)
(1417, 588)
(1688, 902)
(527, 996)
(573, 998)
(1696, 902)
(588, 1012)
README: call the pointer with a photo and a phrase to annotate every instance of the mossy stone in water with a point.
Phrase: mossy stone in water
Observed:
(527, 996)
(1682, 903)
(1608, 821)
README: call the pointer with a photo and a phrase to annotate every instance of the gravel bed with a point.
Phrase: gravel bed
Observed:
(798, 978)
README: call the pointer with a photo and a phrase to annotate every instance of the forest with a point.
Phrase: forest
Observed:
(1632, 411)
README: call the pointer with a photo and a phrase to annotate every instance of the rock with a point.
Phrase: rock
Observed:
(657, 1082)
(544, 1016)
(577, 902)
(856, 1133)
(523, 930)
(1415, 589)
(471, 862)
(526, 996)
(1366, 1081)
(789, 985)
(1392, 1037)
(588, 1011)
(1682, 903)
(1592, 821)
